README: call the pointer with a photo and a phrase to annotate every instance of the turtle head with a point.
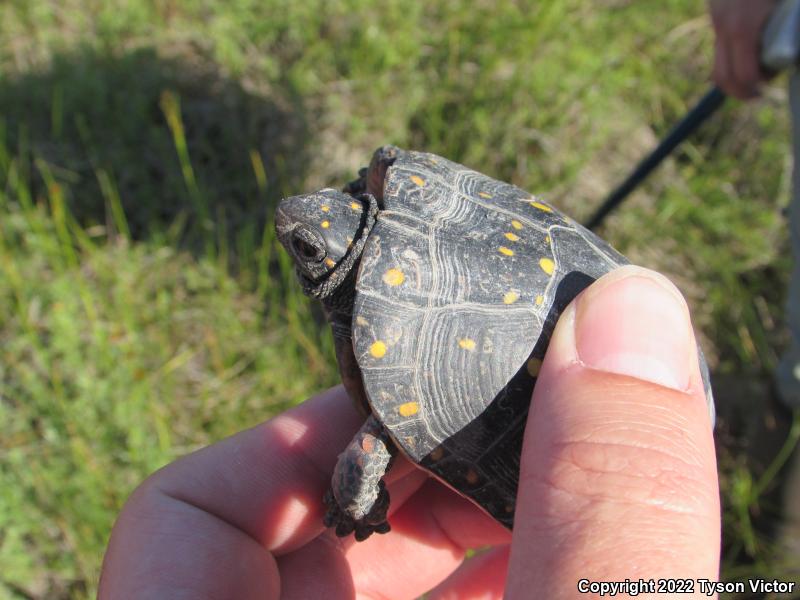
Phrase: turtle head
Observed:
(320, 230)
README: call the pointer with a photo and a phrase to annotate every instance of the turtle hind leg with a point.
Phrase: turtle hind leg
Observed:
(358, 499)
(358, 186)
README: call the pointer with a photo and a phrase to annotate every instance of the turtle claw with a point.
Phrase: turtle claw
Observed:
(345, 528)
(383, 527)
(363, 530)
(374, 522)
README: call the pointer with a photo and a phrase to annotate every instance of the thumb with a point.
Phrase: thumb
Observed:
(618, 477)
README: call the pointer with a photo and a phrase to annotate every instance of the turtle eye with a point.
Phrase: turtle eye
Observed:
(305, 250)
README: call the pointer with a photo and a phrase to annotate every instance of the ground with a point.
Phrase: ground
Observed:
(146, 309)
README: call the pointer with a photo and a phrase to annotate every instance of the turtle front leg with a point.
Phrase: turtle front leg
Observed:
(358, 499)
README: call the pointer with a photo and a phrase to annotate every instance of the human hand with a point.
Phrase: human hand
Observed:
(739, 25)
(618, 481)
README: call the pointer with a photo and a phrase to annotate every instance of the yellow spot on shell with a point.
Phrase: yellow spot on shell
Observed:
(484, 195)
(329, 263)
(512, 236)
(539, 300)
(541, 206)
(547, 239)
(378, 349)
(361, 321)
(547, 265)
(437, 453)
(326, 224)
(516, 224)
(418, 180)
(506, 251)
(408, 409)
(510, 297)
(325, 208)
(467, 344)
(355, 205)
(534, 366)
(394, 277)
(349, 241)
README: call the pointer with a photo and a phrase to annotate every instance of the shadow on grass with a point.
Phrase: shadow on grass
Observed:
(167, 135)
(757, 452)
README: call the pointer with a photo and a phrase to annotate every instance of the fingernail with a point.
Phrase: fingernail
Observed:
(635, 322)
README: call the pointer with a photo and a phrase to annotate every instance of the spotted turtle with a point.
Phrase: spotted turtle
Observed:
(442, 286)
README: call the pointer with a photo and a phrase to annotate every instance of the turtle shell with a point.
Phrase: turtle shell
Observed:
(460, 285)
(461, 282)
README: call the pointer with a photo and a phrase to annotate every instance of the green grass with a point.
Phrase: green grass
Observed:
(145, 308)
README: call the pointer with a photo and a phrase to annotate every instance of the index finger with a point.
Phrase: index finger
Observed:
(269, 481)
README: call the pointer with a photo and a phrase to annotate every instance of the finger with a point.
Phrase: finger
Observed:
(167, 549)
(437, 507)
(219, 508)
(269, 481)
(618, 477)
(727, 71)
(721, 72)
(727, 49)
(430, 534)
(262, 487)
(745, 66)
(739, 26)
(482, 577)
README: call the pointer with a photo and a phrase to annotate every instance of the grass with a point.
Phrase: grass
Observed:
(145, 308)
